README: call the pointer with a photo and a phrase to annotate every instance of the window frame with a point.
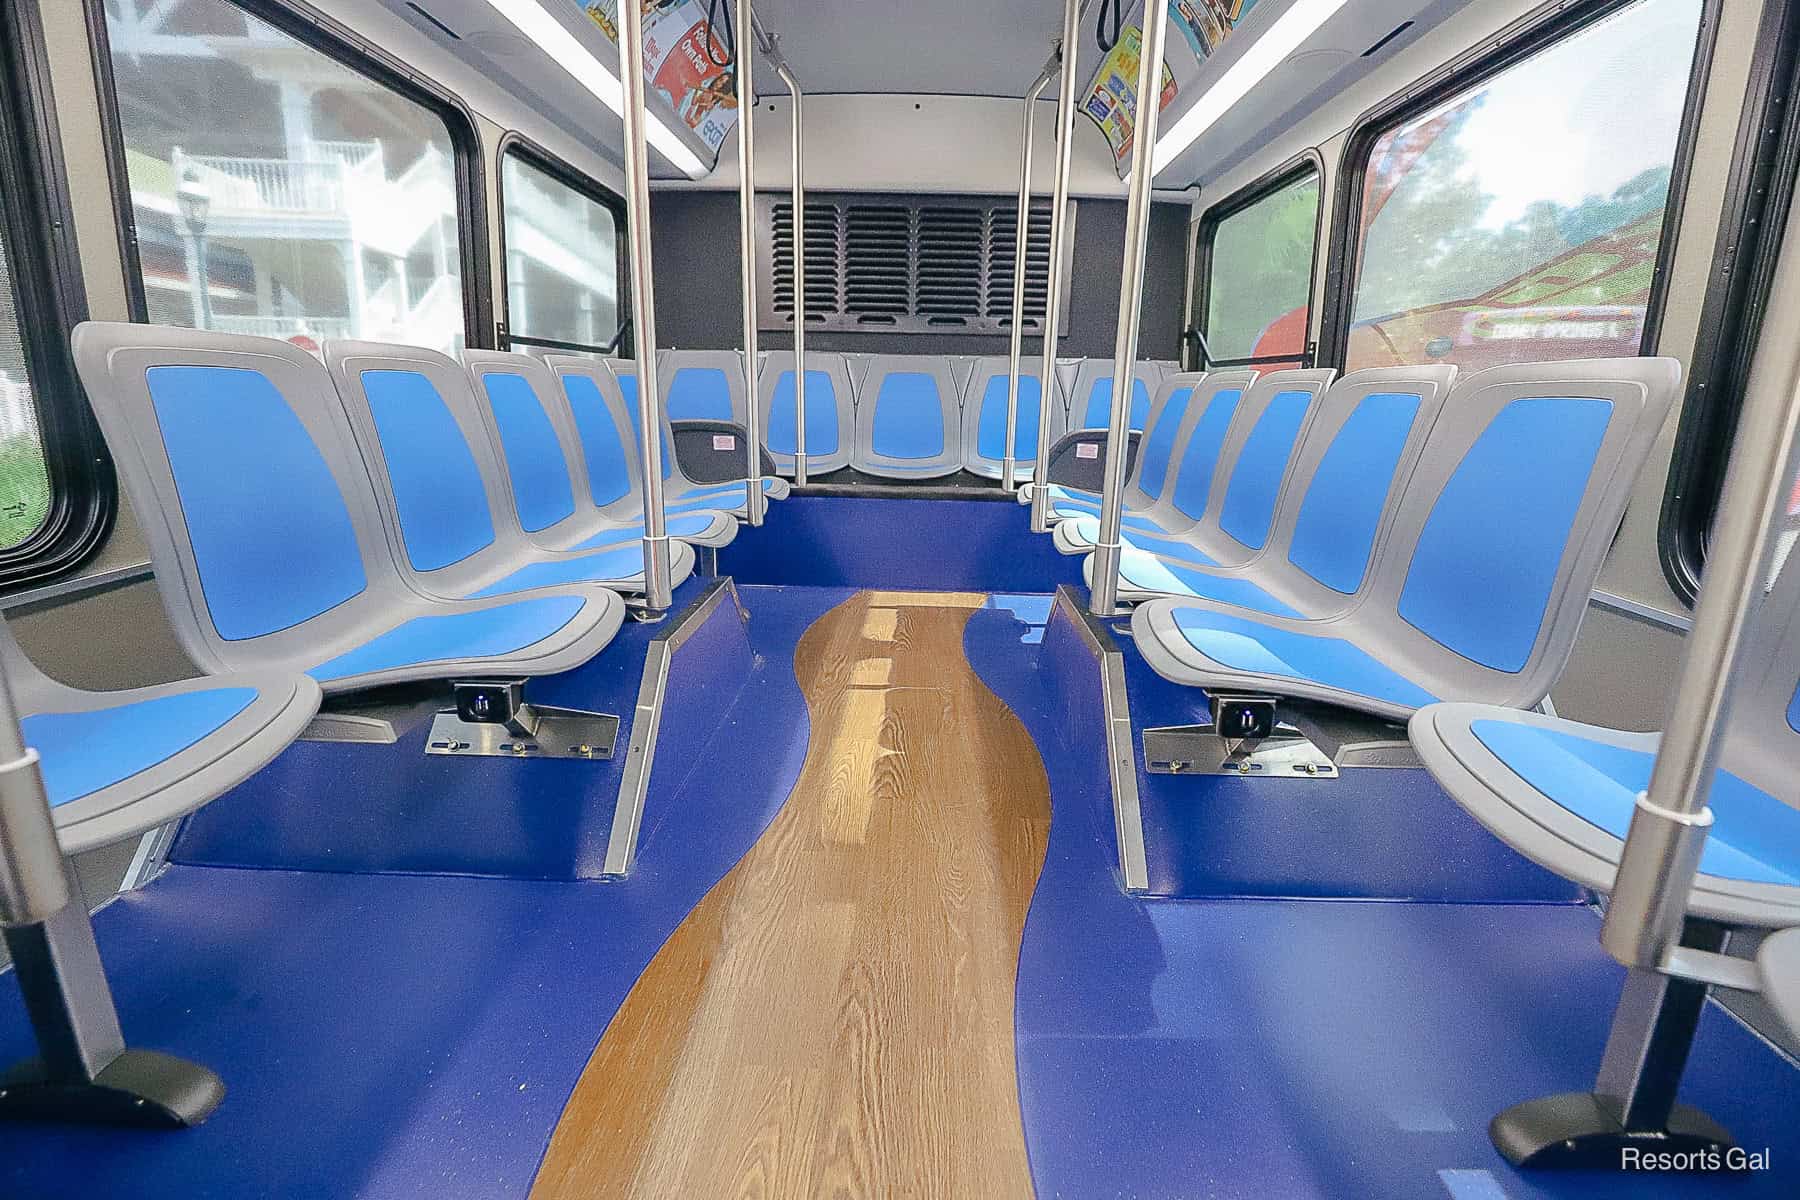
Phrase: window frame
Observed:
(343, 45)
(532, 154)
(1517, 43)
(1307, 162)
(1759, 191)
(46, 269)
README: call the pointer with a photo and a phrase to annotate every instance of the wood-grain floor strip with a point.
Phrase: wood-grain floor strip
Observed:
(835, 1018)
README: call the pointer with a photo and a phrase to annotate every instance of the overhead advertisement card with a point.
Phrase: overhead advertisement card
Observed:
(1196, 29)
(677, 63)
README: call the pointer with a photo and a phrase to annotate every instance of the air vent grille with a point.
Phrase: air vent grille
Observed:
(938, 264)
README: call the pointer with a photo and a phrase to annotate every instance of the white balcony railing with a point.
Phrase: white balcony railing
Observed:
(317, 328)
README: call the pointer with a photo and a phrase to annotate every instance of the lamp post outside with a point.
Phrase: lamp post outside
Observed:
(194, 199)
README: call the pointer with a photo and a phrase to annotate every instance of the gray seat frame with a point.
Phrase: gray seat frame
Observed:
(975, 385)
(946, 462)
(1641, 391)
(775, 364)
(184, 781)
(113, 358)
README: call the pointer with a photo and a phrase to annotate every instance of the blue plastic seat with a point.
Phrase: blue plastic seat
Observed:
(1563, 793)
(704, 385)
(584, 378)
(461, 476)
(117, 764)
(1361, 446)
(288, 567)
(830, 411)
(1091, 392)
(1235, 464)
(908, 419)
(984, 418)
(1477, 590)
(1178, 459)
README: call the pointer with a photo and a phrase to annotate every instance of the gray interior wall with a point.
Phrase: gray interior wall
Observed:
(699, 294)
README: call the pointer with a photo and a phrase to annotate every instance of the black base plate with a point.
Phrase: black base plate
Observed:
(140, 1087)
(1575, 1131)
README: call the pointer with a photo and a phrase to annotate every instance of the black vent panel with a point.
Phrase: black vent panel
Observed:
(937, 264)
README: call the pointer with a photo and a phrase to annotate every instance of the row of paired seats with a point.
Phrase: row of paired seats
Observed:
(1422, 546)
(894, 416)
(386, 515)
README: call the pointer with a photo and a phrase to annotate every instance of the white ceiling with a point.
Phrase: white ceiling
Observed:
(946, 47)
(919, 47)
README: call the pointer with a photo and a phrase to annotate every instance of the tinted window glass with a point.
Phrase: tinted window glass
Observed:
(312, 201)
(1521, 219)
(1259, 286)
(562, 258)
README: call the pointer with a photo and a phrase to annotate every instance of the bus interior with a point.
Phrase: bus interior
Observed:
(807, 598)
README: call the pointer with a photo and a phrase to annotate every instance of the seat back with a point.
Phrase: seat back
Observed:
(908, 419)
(608, 465)
(443, 493)
(1503, 525)
(1170, 408)
(984, 416)
(704, 385)
(830, 410)
(1363, 444)
(1090, 395)
(264, 529)
(528, 422)
(1197, 445)
(1258, 457)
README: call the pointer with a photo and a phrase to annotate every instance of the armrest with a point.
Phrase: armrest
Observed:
(1078, 459)
(713, 451)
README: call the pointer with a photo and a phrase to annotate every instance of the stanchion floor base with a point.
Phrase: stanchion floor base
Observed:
(1574, 1131)
(140, 1087)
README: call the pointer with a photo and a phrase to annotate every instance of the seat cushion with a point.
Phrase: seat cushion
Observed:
(1240, 644)
(477, 633)
(1754, 838)
(680, 526)
(603, 567)
(1146, 573)
(1138, 536)
(82, 752)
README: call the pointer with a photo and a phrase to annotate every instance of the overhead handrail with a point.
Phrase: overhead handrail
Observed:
(770, 45)
(1059, 236)
(754, 500)
(1104, 591)
(658, 575)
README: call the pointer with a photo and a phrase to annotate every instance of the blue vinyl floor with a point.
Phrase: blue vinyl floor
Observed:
(1239, 1046)
(1336, 1011)
(390, 1035)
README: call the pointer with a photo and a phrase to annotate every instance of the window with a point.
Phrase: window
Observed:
(1522, 218)
(56, 492)
(563, 252)
(277, 191)
(1256, 272)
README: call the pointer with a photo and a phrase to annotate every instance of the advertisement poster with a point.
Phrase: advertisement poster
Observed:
(1113, 101)
(677, 65)
(1196, 29)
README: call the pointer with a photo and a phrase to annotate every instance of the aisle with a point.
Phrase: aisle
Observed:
(836, 1016)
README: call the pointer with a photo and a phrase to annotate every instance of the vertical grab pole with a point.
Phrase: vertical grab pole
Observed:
(798, 162)
(1059, 236)
(746, 98)
(84, 1071)
(1020, 245)
(1104, 593)
(658, 581)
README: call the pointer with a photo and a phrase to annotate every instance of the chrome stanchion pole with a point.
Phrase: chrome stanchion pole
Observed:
(1021, 244)
(1059, 236)
(754, 502)
(83, 1071)
(658, 577)
(1104, 592)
